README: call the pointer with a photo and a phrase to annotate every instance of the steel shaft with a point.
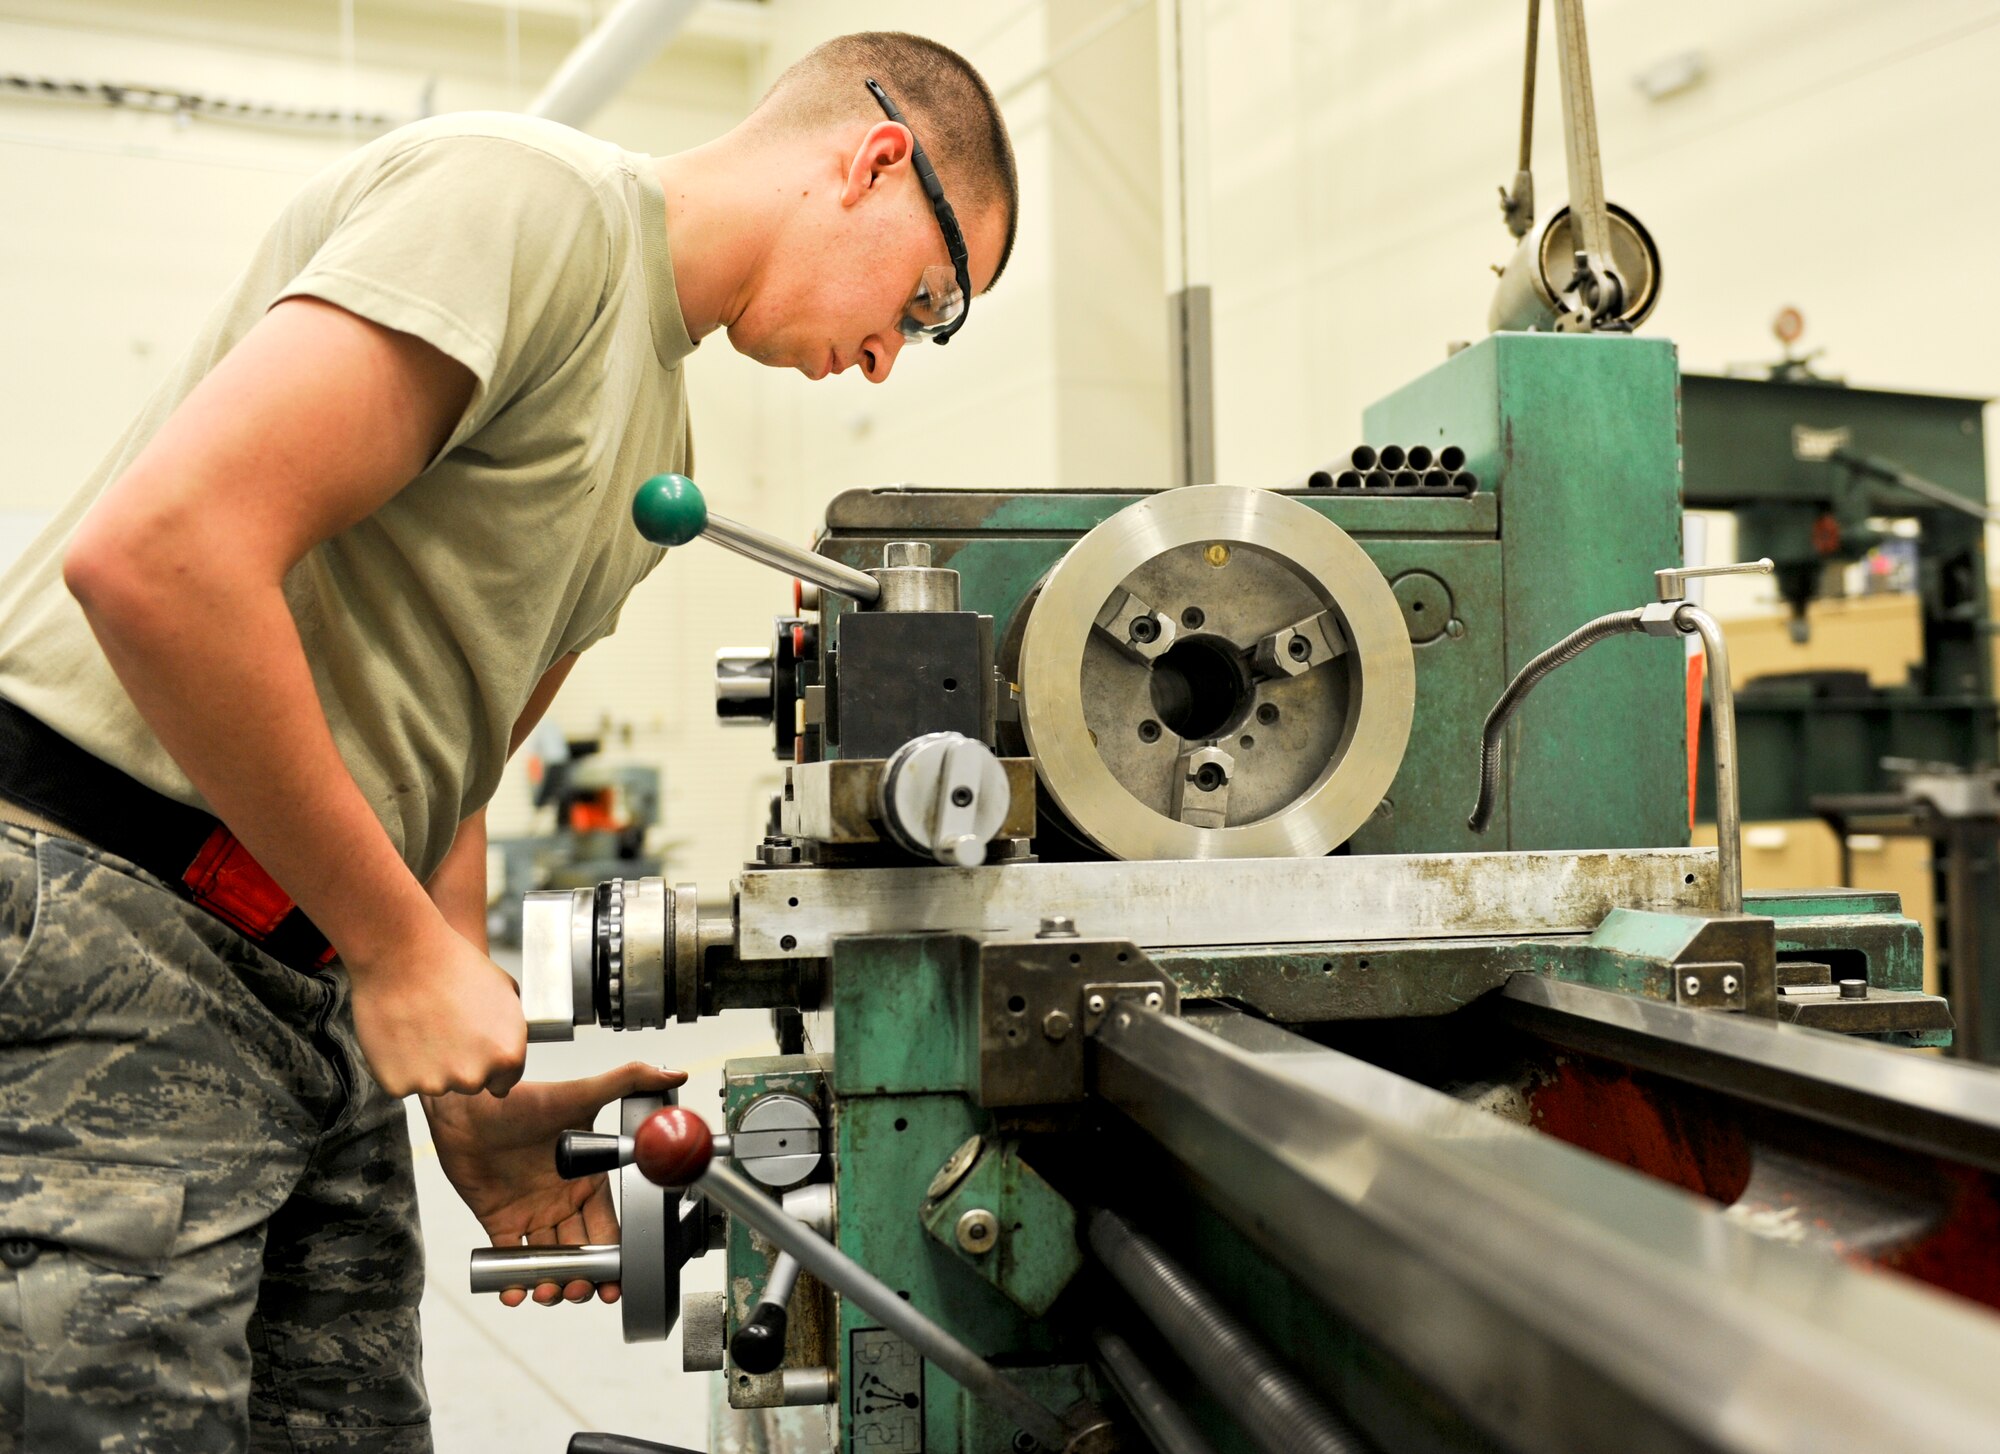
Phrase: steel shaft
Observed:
(731, 1191)
(496, 1269)
(1722, 734)
(1279, 1413)
(767, 549)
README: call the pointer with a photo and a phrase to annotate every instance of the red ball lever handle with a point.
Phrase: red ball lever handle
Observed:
(673, 1147)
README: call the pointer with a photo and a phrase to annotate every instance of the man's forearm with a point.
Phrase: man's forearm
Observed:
(247, 727)
(458, 888)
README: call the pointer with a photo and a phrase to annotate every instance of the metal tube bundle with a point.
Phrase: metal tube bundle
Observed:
(1417, 470)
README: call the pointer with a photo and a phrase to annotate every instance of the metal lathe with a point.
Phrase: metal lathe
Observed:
(1242, 982)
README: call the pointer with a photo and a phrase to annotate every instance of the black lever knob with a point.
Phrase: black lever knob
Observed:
(621, 1444)
(586, 1153)
(759, 1345)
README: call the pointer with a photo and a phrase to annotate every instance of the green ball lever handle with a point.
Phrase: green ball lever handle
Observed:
(669, 510)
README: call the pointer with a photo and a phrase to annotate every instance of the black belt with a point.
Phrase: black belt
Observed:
(45, 772)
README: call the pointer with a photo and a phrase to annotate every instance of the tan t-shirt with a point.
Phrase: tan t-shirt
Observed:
(535, 256)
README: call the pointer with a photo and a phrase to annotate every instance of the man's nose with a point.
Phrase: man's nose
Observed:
(878, 356)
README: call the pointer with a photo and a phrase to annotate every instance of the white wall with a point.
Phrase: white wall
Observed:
(1843, 156)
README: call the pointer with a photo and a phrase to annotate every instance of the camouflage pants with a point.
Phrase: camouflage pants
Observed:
(208, 1233)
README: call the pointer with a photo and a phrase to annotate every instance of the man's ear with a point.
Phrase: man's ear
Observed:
(882, 150)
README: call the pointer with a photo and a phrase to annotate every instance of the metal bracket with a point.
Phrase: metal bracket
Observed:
(1039, 999)
(1722, 986)
(1100, 999)
(995, 1213)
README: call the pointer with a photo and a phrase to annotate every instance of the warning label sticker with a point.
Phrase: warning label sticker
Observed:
(887, 1378)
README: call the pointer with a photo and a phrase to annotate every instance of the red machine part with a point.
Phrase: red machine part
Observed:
(1935, 1220)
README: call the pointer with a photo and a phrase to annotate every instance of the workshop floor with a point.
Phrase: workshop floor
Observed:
(522, 1380)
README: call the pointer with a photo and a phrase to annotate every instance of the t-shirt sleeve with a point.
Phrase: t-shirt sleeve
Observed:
(603, 629)
(493, 252)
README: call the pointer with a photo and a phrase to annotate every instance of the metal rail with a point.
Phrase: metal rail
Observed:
(1939, 1107)
(1617, 1312)
(796, 913)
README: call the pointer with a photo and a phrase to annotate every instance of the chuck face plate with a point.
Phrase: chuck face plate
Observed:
(1216, 672)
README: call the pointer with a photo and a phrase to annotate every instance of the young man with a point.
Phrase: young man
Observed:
(258, 682)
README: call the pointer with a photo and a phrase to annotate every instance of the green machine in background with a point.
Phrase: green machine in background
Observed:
(1165, 1059)
(1814, 472)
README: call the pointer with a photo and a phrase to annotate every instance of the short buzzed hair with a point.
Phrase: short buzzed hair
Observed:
(949, 106)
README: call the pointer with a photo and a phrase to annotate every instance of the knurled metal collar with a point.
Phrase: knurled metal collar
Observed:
(613, 931)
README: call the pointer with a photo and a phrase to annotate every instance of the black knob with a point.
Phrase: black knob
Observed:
(586, 1153)
(759, 1345)
(621, 1444)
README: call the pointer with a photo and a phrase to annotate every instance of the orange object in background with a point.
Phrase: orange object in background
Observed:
(1697, 676)
(594, 814)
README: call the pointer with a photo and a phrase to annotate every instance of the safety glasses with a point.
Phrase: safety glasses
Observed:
(943, 295)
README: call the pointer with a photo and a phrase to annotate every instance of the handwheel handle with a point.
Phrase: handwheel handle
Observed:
(673, 1147)
(759, 1345)
(586, 1153)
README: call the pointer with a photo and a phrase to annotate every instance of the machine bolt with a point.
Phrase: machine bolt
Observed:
(1210, 776)
(1267, 714)
(1055, 1025)
(1194, 618)
(1149, 731)
(777, 852)
(1145, 630)
(906, 554)
(1153, 1000)
(1854, 989)
(1729, 984)
(1057, 926)
(961, 797)
(1095, 1004)
(1298, 648)
(978, 1230)
(1692, 984)
(1025, 1443)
